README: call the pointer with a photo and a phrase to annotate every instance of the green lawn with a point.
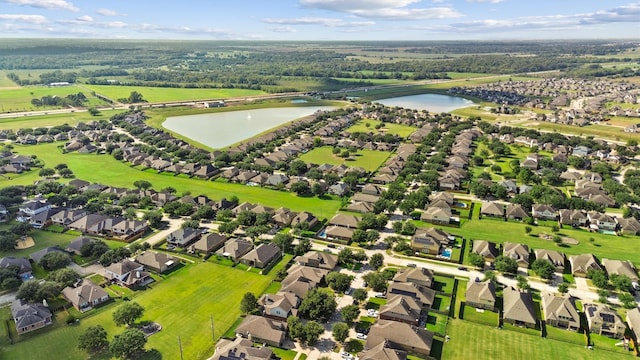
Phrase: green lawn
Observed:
(19, 99)
(474, 341)
(437, 323)
(53, 119)
(370, 160)
(182, 304)
(443, 284)
(160, 94)
(389, 128)
(485, 317)
(115, 173)
(45, 239)
(565, 335)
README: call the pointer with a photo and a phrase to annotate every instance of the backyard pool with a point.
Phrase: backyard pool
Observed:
(446, 253)
(460, 204)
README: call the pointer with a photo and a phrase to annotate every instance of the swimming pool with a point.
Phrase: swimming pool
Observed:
(446, 253)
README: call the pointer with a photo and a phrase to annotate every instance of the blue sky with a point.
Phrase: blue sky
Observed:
(321, 19)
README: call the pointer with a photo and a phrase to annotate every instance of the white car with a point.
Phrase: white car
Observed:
(361, 336)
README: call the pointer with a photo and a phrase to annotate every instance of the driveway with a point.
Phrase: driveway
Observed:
(174, 224)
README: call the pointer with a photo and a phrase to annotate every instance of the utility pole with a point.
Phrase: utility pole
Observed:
(180, 345)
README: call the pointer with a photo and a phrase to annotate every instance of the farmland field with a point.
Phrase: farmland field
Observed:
(20, 99)
(53, 119)
(370, 160)
(182, 304)
(158, 94)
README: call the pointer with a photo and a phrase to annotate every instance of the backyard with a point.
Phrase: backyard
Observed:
(369, 125)
(370, 160)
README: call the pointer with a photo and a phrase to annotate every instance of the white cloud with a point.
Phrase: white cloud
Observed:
(283, 29)
(45, 4)
(383, 9)
(485, 1)
(107, 12)
(328, 22)
(32, 19)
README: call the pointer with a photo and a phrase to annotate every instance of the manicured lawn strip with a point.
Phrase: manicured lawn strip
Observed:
(443, 284)
(370, 160)
(284, 354)
(388, 128)
(115, 173)
(442, 303)
(607, 344)
(182, 304)
(486, 317)
(474, 341)
(53, 119)
(437, 323)
(273, 288)
(565, 335)
(159, 94)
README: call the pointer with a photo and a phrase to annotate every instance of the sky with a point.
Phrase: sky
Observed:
(320, 20)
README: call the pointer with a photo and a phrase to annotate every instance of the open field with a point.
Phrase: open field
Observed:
(182, 304)
(393, 129)
(115, 173)
(370, 160)
(53, 119)
(158, 94)
(19, 99)
(474, 341)
(611, 132)
(5, 82)
(45, 239)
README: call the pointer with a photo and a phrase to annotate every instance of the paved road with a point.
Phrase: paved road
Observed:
(174, 224)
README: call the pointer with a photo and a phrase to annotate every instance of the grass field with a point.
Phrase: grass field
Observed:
(474, 341)
(393, 129)
(53, 119)
(159, 94)
(611, 132)
(5, 82)
(182, 304)
(45, 239)
(12, 99)
(370, 160)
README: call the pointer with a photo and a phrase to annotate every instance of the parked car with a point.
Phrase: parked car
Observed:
(361, 336)
(412, 265)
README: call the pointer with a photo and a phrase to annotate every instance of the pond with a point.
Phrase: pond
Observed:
(222, 129)
(434, 103)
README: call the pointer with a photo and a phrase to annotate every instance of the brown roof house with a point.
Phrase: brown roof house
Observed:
(403, 309)
(418, 292)
(157, 262)
(633, 319)
(492, 209)
(436, 215)
(29, 317)
(560, 311)
(262, 330)
(235, 249)
(430, 241)
(241, 348)
(629, 226)
(518, 308)
(210, 242)
(397, 335)
(556, 258)
(518, 252)
(481, 295)
(604, 321)
(318, 259)
(516, 212)
(85, 295)
(127, 273)
(486, 249)
(543, 211)
(183, 237)
(581, 264)
(418, 275)
(262, 256)
(343, 220)
(279, 306)
(620, 267)
(383, 352)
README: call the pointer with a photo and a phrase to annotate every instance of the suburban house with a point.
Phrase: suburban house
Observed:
(75, 246)
(430, 241)
(209, 242)
(402, 309)
(183, 237)
(343, 220)
(279, 306)
(628, 226)
(30, 316)
(604, 321)
(560, 311)
(38, 255)
(31, 208)
(262, 330)
(573, 217)
(85, 295)
(556, 258)
(22, 264)
(383, 352)
(633, 319)
(127, 273)
(516, 212)
(301, 279)
(156, 262)
(600, 221)
(492, 209)
(305, 217)
(402, 336)
(241, 348)
(418, 275)
(620, 267)
(338, 233)
(436, 215)
(318, 259)
(518, 308)
(481, 295)
(486, 249)
(581, 264)
(543, 212)
(518, 252)
(421, 293)
(235, 249)
(262, 256)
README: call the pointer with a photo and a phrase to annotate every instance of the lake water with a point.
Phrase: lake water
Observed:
(222, 129)
(434, 103)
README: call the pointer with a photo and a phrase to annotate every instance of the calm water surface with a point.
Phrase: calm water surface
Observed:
(222, 129)
(435, 103)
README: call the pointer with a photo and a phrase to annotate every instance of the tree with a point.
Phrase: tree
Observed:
(476, 260)
(345, 256)
(55, 260)
(599, 278)
(301, 188)
(340, 331)
(48, 290)
(284, 242)
(627, 300)
(376, 261)
(128, 344)
(359, 294)
(94, 339)
(338, 281)
(506, 264)
(490, 275)
(311, 332)
(249, 303)
(294, 326)
(603, 296)
(376, 280)
(544, 268)
(303, 246)
(527, 230)
(142, 184)
(563, 288)
(65, 276)
(46, 172)
(135, 97)
(621, 282)
(319, 304)
(522, 282)
(154, 218)
(127, 313)
(555, 228)
(350, 313)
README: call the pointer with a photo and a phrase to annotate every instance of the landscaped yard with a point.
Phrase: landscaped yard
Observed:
(437, 323)
(370, 160)
(182, 304)
(115, 173)
(473, 341)
(388, 128)
(485, 317)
